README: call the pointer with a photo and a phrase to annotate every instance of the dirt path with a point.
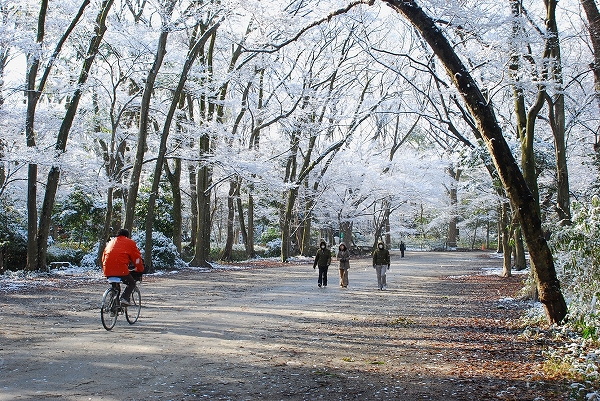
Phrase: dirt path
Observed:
(437, 333)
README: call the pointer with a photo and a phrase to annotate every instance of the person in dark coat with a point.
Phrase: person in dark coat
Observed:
(381, 263)
(322, 260)
(343, 256)
(402, 249)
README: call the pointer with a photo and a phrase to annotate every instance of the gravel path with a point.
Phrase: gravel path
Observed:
(442, 331)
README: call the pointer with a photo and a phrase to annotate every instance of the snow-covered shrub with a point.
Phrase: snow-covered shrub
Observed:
(261, 251)
(90, 260)
(164, 252)
(577, 259)
(238, 252)
(274, 248)
(62, 253)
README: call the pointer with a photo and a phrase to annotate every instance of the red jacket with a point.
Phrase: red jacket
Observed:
(119, 252)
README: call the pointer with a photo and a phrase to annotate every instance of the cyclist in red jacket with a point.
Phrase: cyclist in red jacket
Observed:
(119, 253)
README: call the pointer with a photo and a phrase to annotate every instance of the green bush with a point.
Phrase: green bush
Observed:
(13, 238)
(271, 234)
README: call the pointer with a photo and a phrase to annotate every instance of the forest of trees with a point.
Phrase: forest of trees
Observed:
(248, 127)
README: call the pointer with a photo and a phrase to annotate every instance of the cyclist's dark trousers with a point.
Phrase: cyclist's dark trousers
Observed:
(129, 280)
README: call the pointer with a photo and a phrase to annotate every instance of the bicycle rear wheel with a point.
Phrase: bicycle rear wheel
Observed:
(109, 312)
(132, 312)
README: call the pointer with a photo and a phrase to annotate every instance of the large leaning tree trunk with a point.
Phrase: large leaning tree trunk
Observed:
(160, 159)
(508, 170)
(144, 118)
(63, 133)
(33, 97)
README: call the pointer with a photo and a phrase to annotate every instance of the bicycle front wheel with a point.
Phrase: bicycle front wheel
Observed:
(132, 312)
(109, 311)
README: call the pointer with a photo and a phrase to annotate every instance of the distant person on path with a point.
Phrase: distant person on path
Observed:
(323, 260)
(343, 256)
(118, 254)
(402, 249)
(381, 263)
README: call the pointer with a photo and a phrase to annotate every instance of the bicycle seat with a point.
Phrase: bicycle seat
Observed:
(114, 279)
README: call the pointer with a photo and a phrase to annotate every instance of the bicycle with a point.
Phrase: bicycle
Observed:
(112, 307)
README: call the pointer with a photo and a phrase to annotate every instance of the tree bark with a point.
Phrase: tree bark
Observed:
(250, 241)
(202, 244)
(227, 254)
(506, 249)
(33, 96)
(240, 208)
(510, 174)
(192, 177)
(452, 240)
(177, 96)
(593, 18)
(174, 177)
(204, 176)
(556, 113)
(520, 260)
(63, 134)
(136, 171)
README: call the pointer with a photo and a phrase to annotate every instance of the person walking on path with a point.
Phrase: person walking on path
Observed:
(381, 263)
(402, 249)
(343, 256)
(323, 260)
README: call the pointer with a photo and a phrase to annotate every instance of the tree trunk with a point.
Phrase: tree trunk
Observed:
(32, 248)
(506, 249)
(202, 244)
(178, 94)
(250, 241)
(452, 240)
(474, 234)
(33, 96)
(386, 223)
(192, 176)
(510, 175)
(63, 134)
(346, 230)
(306, 224)
(107, 225)
(228, 249)
(174, 178)
(286, 224)
(499, 229)
(240, 208)
(136, 171)
(593, 18)
(520, 261)
(556, 113)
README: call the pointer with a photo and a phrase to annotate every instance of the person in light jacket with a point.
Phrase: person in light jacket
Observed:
(343, 256)
(322, 260)
(381, 263)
